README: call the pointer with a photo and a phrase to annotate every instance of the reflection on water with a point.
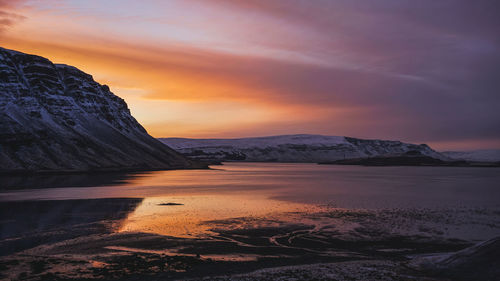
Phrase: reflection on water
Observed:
(29, 181)
(261, 190)
(106, 226)
(341, 186)
(155, 215)
(25, 224)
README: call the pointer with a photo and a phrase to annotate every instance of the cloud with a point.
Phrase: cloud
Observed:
(422, 71)
(7, 17)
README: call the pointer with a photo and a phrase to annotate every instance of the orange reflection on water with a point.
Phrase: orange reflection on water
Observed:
(196, 216)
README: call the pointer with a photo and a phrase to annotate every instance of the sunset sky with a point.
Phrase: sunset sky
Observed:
(422, 71)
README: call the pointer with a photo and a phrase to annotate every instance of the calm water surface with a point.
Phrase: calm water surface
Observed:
(263, 190)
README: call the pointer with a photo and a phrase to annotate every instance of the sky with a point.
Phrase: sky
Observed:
(417, 71)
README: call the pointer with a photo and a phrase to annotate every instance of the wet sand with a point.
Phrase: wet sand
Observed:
(237, 234)
(385, 241)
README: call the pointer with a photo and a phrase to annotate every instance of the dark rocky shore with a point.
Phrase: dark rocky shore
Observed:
(337, 244)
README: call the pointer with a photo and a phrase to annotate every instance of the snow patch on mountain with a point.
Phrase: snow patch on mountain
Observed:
(242, 143)
(56, 117)
(292, 148)
(484, 155)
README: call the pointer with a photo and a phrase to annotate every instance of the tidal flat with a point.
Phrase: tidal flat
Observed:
(248, 221)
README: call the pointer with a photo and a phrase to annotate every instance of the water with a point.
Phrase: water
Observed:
(342, 186)
(240, 216)
(264, 191)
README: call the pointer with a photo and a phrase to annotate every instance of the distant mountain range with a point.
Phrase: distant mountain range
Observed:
(54, 117)
(483, 155)
(294, 148)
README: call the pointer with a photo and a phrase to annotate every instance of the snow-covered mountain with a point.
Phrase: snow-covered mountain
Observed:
(56, 117)
(484, 155)
(292, 148)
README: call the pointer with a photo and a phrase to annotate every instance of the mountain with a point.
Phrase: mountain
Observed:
(292, 148)
(484, 155)
(55, 117)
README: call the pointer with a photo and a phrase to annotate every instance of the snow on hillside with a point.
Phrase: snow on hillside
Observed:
(272, 141)
(485, 155)
(291, 148)
(56, 117)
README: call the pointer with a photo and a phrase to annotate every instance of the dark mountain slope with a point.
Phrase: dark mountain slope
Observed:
(55, 117)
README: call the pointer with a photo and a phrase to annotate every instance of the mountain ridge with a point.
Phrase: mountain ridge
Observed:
(292, 148)
(55, 117)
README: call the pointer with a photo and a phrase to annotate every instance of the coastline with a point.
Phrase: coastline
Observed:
(200, 166)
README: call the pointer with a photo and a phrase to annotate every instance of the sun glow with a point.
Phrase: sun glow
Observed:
(230, 69)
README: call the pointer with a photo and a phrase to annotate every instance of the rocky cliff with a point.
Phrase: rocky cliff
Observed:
(55, 117)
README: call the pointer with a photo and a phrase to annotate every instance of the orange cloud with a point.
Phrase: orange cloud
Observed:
(215, 69)
(7, 17)
(179, 92)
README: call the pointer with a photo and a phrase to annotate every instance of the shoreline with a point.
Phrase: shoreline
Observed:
(352, 244)
(95, 171)
(140, 256)
(235, 225)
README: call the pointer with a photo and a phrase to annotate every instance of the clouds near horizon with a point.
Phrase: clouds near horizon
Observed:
(418, 71)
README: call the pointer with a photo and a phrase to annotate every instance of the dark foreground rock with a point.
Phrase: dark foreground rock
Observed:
(480, 262)
(54, 117)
